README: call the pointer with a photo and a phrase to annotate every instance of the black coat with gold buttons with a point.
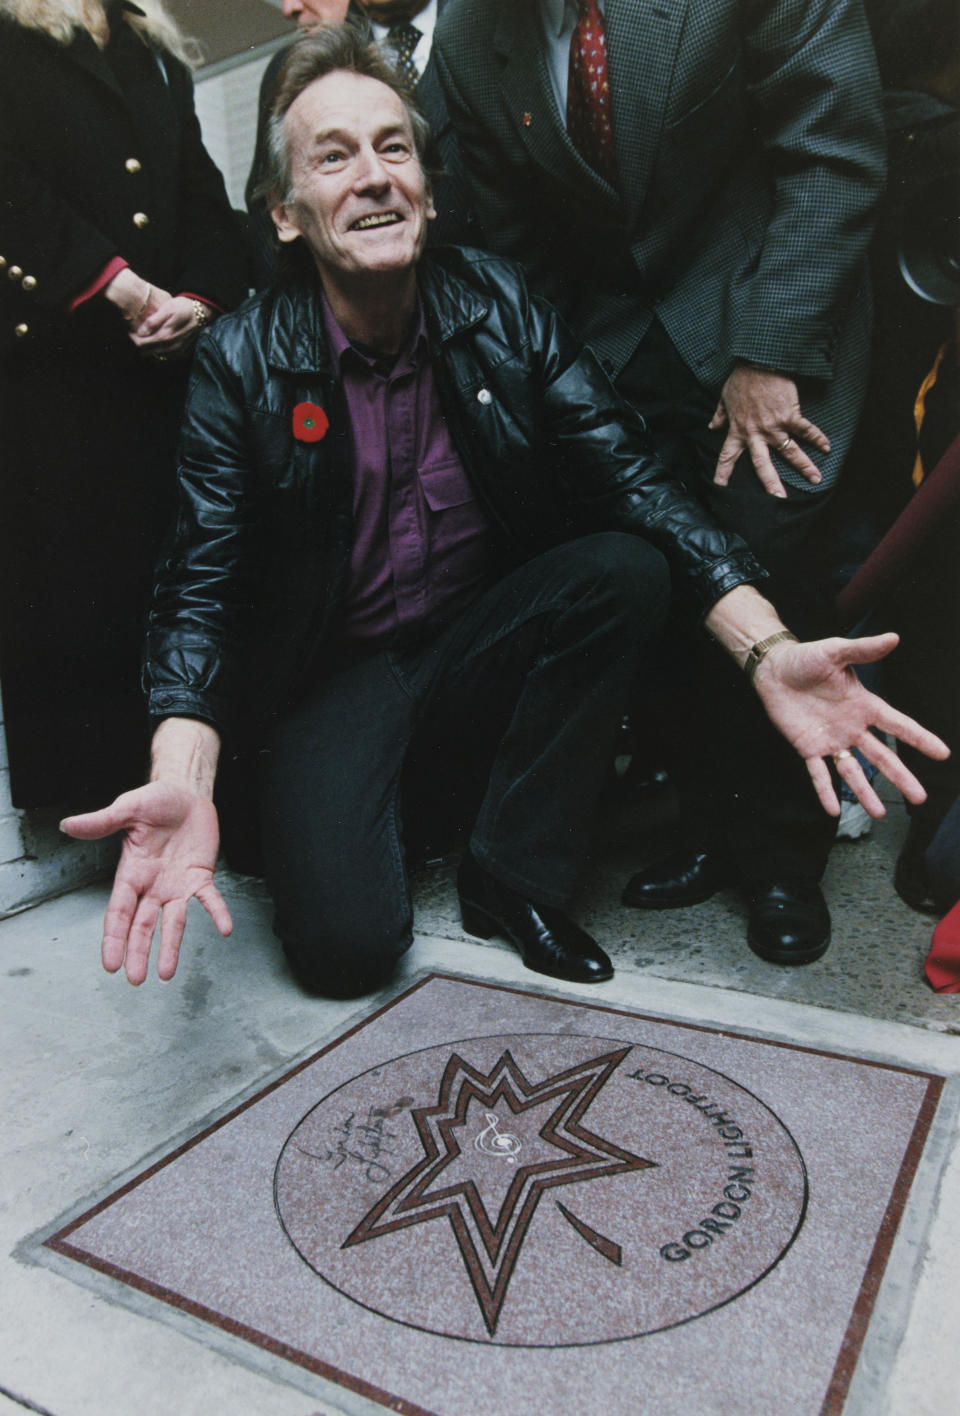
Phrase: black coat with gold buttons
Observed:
(100, 158)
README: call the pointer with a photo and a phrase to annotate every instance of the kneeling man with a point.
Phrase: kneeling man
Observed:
(402, 485)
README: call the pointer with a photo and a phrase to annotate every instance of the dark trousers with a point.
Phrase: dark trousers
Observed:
(542, 663)
(744, 791)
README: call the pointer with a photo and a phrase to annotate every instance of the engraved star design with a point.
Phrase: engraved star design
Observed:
(489, 1199)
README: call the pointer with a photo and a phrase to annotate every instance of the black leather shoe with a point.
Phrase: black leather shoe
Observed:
(547, 941)
(684, 878)
(789, 924)
(910, 878)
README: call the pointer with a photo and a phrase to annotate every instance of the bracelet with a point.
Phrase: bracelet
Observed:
(201, 314)
(758, 652)
(135, 319)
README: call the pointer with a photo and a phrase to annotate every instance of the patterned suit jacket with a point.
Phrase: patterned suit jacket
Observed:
(750, 150)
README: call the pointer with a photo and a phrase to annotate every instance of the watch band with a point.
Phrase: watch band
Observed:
(757, 652)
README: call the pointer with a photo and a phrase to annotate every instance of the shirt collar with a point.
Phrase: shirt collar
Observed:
(425, 21)
(342, 347)
(558, 15)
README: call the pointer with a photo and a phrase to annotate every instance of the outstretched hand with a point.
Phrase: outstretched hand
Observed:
(812, 694)
(168, 856)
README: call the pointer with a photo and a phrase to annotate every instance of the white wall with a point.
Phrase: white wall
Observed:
(226, 101)
(36, 859)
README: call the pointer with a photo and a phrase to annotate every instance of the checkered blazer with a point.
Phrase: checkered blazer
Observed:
(750, 150)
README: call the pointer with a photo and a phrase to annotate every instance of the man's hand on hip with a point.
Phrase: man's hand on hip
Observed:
(761, 410)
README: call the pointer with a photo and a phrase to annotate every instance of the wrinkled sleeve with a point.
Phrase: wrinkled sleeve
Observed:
(613, 477)
(814, 102)
(207, 578)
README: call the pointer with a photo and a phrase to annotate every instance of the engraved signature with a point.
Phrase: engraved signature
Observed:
(361, 1143)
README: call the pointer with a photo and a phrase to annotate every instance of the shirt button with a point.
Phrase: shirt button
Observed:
(132, 166)
(484, 396)
(140, 219)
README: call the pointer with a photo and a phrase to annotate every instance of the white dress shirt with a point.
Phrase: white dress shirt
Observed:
(559, 18)
(426, 23)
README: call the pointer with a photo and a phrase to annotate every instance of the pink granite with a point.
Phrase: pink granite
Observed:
(483, 1199)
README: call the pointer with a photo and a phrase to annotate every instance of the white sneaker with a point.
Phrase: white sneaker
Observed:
(855, 821)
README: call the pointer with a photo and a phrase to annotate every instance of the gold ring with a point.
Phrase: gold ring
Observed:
(839, 756)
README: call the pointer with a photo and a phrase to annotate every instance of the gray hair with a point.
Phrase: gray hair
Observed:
(330, 49)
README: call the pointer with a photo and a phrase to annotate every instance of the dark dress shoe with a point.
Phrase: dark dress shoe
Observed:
(910, 878)
(684, 878)
(789, 924)
(546, 939)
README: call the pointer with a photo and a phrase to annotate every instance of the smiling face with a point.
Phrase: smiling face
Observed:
(359, 198)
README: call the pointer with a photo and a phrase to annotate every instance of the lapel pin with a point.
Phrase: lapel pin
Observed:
(527, 119)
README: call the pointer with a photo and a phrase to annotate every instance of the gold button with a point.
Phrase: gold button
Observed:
(21, 330)
(140, 219)
(3, 262)
(132, 166)
(15, 273)
(29, 282)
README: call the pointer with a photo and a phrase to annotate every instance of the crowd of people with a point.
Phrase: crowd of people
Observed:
(557, 403)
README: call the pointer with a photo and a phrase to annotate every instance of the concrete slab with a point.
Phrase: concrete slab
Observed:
(873, 968)
(98, 1075)
(483, 1187)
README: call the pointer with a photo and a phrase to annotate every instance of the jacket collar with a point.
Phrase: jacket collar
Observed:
(82, 50)
(296, 343)
(295, 338)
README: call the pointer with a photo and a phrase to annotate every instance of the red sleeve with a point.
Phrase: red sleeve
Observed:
(204, 300)
(98, 283)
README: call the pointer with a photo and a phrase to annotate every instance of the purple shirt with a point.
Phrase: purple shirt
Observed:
(419, 535)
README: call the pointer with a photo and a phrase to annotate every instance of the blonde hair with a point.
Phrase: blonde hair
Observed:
(60, 19)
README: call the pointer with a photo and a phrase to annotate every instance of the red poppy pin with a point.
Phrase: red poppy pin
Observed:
(310, 423)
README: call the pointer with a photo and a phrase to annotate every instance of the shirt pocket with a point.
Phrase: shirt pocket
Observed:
(445, 485)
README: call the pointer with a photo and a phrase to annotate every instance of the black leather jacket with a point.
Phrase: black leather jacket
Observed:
(247, 597)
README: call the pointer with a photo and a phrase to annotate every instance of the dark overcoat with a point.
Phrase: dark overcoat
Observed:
(100, 156)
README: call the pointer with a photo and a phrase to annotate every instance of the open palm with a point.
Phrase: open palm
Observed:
(168, 857)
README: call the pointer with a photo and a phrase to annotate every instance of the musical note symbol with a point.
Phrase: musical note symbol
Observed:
(493, 1141)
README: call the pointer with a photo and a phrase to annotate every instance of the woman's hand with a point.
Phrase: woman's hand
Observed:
(134, 297)
(171, 328)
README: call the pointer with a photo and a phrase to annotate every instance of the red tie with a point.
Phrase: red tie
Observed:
(588, 93)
